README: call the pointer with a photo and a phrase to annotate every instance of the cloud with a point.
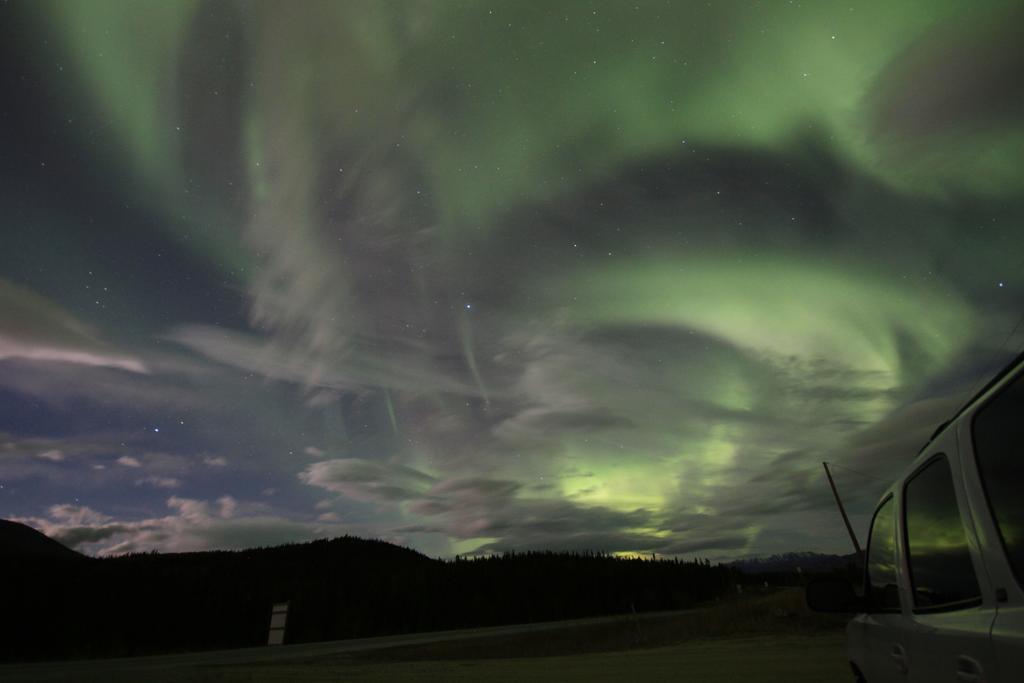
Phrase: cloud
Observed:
(159, 482)
(534, 523)
(215, 461)
(56, 449)
(883, 449)
(366, 481)
(228, 506)
(10, 348)
(129, 461)
(474, 488)
(469, 508)
(193, 525)
(67, 513)
(168, 385)
(77, 537)
(36, 329)
(395, 363)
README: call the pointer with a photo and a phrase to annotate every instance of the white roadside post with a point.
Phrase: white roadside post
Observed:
(278, 617)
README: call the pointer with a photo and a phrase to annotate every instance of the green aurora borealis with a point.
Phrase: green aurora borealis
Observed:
(475, 277)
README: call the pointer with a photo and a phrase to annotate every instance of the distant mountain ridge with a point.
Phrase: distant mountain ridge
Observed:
(18, 541)
(790, 562)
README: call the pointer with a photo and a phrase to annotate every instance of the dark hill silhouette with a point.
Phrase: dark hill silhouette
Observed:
(340, 588)
(19, 541)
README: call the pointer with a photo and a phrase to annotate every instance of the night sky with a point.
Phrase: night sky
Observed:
(475, 277)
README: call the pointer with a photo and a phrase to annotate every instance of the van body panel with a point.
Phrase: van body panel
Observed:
(873, 639)
(943, 643)
(1008, 642)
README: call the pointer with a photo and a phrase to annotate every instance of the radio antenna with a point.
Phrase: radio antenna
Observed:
(842, 511)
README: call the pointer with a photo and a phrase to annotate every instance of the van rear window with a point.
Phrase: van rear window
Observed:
(998, 444)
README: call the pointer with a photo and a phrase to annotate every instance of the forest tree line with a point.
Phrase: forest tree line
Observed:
(341, 588)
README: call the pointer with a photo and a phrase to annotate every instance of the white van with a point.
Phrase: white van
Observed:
(943, 598)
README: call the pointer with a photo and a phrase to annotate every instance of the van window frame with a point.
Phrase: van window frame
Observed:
(908, 558)
(1012, 379)
(890, 498)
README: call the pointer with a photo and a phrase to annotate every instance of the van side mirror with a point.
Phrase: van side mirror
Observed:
(833, 595)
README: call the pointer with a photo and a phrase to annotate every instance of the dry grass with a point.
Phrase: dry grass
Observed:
(775, 613)
(769, 659)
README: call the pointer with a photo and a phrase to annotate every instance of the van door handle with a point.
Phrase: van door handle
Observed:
(899, 657)
(968, 670)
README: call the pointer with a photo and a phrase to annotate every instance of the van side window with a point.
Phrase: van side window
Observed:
(941, 571)
(998, 443)
(883, 593)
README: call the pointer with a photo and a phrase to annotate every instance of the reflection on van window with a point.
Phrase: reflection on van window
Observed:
(883, 593)
(941, 571)
(998, 439)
